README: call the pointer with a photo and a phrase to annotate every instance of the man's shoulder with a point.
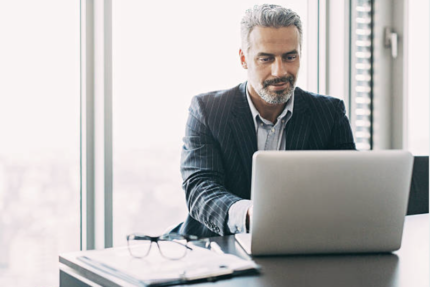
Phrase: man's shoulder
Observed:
(318, 101)
(220, 95)
(309, 96)
(212, 101)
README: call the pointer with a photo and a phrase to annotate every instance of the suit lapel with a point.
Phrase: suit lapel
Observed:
(243, 129)
(242, 125)
(298, 128)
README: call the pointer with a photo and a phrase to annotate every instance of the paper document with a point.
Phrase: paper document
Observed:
(154, 270)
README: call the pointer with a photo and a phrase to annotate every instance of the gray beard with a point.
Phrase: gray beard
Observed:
(276, 98)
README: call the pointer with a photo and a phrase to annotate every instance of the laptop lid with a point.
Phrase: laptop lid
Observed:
(311, 202)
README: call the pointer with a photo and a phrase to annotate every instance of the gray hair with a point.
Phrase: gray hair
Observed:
(267, 15)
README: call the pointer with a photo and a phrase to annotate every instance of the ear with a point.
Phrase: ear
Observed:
(242, 59)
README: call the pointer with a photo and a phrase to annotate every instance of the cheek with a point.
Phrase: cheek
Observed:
(293, 70)
(256, 78)
(259, 74)
(297, 67)
(296, 71)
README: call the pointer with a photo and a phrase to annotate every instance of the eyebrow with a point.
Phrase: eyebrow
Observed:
(285, 54)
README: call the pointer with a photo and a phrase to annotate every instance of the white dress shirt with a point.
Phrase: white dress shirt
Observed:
(269, 137)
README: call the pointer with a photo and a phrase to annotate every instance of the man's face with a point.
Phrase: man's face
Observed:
(273, 63)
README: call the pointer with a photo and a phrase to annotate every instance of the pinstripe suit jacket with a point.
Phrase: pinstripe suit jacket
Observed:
(220, 141)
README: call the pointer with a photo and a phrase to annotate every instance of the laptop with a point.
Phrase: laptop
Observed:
(325, 202)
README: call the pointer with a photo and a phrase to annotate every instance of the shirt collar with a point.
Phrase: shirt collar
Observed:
(288, 108)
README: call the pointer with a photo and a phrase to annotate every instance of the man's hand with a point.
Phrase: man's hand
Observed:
(248, 219)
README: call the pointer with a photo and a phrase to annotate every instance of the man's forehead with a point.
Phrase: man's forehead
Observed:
(272, 34)
(283, 38)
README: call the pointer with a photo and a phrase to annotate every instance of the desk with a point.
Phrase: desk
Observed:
(408, 266)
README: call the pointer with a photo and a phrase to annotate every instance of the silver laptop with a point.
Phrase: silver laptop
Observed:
(314, 202)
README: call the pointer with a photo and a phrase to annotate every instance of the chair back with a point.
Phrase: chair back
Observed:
(419, 193)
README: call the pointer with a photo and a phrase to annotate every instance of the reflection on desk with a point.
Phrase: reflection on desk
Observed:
(339, 270)
(407, 267)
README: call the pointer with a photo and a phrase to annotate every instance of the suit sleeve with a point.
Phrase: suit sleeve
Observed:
(202, 171)
(342, 138)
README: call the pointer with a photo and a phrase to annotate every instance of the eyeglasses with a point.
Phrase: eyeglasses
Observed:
(171, 246)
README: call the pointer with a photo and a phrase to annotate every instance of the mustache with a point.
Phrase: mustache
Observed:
(289, 79)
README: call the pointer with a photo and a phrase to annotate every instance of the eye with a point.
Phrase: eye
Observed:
(265, 59)
(290, 58)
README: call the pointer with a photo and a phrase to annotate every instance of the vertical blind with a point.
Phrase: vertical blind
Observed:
(361, 80)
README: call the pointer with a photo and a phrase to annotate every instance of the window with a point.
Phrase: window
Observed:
(418, 89)
(39, 146)
(161, 59)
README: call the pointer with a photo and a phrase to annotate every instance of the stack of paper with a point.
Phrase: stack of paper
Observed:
(154, 270)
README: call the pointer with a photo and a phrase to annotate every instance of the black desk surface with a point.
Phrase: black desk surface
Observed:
(408, 266)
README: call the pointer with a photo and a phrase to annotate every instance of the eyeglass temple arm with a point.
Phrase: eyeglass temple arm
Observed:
(142, 237)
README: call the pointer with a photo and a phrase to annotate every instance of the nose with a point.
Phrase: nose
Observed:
(278, 68)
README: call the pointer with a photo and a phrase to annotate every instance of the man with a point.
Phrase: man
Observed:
(267, 112)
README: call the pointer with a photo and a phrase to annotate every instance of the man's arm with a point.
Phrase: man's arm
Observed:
(203, 175)
(342, 138)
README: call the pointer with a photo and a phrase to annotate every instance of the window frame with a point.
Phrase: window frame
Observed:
(96, 124)
(96, 102)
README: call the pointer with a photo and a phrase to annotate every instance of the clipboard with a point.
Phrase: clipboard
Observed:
(199, 265)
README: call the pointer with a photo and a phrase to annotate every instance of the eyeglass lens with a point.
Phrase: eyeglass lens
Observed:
(172, 249)
(139, 248)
